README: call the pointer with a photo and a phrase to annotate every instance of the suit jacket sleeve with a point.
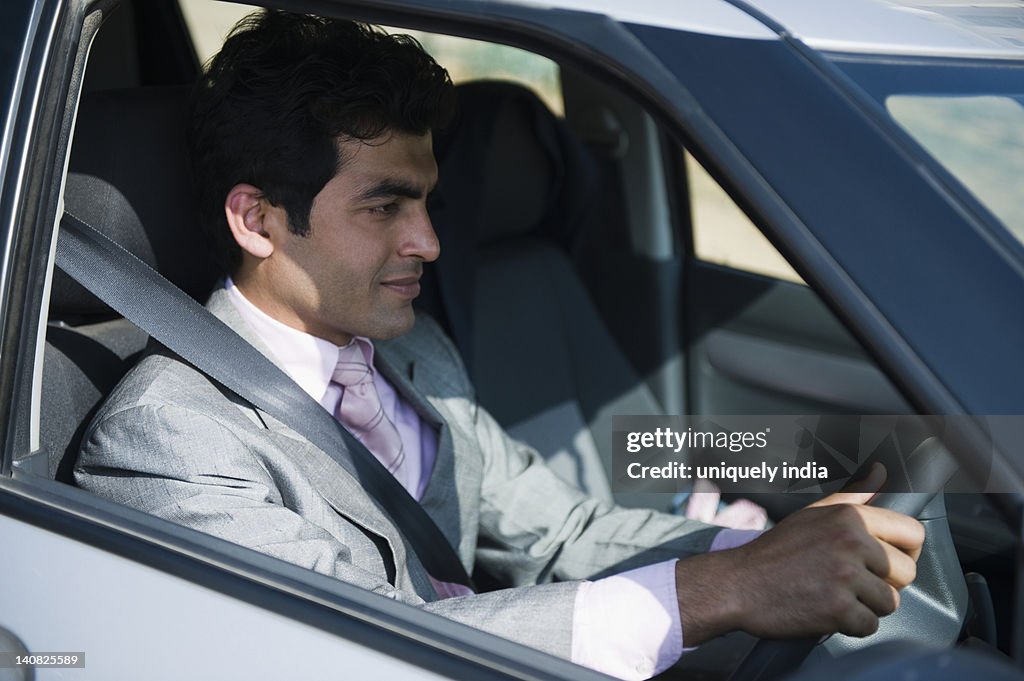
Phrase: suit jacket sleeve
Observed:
(536, 528)
(184, 466)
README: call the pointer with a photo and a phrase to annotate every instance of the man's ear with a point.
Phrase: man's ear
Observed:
(251, 219)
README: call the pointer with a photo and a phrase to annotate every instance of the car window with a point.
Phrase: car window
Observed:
(724, 235)
(967, 115)
(466, 60)
(979, 139)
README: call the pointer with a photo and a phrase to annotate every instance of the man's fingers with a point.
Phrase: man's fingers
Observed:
(903, 532)
(882, 524)
(877, 595)
(856, 498)
(859, 492)
(859, 620)
(892, 564)
(871, 483)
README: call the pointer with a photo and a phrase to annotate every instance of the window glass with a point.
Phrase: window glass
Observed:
(209, 22)
(723, 234)
(979, 139)
(466, 60)
(966, 113)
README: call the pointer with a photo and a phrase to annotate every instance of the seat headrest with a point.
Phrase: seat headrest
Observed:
(130, 177)
(512, 165)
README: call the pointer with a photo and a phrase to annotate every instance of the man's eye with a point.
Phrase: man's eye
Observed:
(386, 209)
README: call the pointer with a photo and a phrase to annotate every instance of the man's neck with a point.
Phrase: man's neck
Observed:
(271, 305)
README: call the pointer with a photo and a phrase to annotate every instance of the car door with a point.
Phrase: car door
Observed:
(702, 302)
(760, 341)
(868, 227)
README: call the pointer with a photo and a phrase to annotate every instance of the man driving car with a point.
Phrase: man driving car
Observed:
(312, 150)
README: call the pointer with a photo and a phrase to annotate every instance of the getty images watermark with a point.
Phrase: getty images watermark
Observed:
(800, 453)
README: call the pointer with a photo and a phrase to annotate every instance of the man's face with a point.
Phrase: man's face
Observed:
(358, 270)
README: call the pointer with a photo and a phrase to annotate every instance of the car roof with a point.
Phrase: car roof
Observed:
(715, 17)
(982, 28)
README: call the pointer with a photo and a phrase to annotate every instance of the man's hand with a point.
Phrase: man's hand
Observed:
(835, 566)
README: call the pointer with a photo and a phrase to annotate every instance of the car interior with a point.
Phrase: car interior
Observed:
(571, 278)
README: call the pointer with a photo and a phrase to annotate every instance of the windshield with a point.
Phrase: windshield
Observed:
(967, 114)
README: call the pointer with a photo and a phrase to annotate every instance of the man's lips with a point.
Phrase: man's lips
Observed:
(408, 287)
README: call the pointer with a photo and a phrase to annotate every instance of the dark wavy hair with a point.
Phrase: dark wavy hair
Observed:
(272, 105)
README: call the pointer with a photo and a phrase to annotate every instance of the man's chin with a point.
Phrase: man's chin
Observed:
(395, 327)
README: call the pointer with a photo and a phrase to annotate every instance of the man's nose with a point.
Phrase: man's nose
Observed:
(420, 239)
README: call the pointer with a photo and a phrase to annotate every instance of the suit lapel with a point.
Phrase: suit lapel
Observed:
(439, 497)
(400, 370)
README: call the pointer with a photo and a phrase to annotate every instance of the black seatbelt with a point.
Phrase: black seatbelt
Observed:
(144, 297)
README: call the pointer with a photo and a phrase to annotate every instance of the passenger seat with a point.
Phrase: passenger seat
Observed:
(517, 186)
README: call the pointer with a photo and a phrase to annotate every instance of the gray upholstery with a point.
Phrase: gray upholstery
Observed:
(80, 366)
(544, 363)
(129, 178)
(547, 366)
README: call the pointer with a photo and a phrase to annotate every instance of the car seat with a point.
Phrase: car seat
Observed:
(129, 177)
(517, 189)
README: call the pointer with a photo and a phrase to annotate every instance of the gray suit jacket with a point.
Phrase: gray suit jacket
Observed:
(172, 443)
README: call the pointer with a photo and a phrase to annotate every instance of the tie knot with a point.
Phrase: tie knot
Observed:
(352, 368)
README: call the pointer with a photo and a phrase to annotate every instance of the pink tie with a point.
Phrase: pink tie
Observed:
(360, 409)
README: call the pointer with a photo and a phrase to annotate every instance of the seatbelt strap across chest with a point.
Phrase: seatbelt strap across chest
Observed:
(144, 297)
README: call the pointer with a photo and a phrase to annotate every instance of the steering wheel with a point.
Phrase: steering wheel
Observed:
(931, 609)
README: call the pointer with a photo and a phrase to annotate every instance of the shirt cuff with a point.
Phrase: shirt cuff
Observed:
(628, 625)
(730, 539)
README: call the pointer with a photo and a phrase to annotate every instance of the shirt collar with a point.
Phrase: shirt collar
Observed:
(307, 359)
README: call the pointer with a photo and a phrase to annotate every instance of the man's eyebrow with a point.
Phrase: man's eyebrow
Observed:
(388, 188)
